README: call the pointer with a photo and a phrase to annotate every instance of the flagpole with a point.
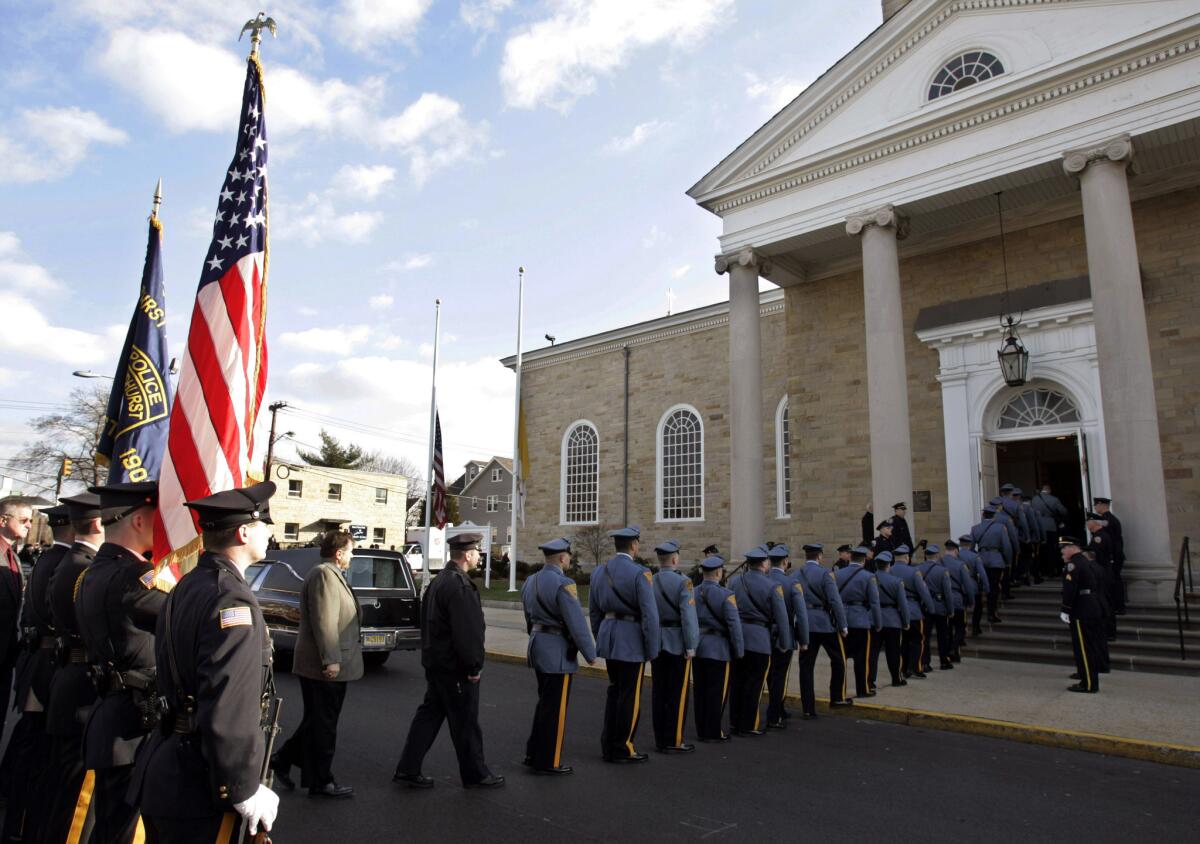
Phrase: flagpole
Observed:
(512, 545)
(428, 549)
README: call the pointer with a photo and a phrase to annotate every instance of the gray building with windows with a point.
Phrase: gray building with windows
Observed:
(485, 496)
(314, 499)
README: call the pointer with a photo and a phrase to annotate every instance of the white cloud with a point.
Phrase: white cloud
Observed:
(558, 59)
(483, 15)
(317, 219)
(365, 24)
(334, 342)
(380, 301)
(28, 333)
(412, 262)
(776, 92)
(434, 134)
(43, 144)
(19, 273)
(652, 238)
(680, 272)
(9, 377)
(640, 134)
(365, 180)
(307, 310)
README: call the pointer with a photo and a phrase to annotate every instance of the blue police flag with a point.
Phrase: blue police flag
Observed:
(139, 408)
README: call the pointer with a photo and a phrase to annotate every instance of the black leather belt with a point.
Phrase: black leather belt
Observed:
(547, 628)
(621, 616)
(755, 623)
(670, 624)
(1085, 591)
(47, 644)
(854, 603)
(77, 656)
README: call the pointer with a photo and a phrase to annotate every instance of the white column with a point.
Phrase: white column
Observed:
(1135, 465)
(887, 371)
(961, 471)
(746, 499)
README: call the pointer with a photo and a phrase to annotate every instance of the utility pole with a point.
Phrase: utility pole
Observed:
(274, 408)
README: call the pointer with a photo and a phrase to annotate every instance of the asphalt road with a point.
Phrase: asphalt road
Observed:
(835, 778)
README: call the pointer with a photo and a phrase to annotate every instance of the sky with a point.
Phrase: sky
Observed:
(420, 149)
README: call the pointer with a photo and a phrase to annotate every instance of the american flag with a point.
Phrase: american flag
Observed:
(439, 475)
(212, 444)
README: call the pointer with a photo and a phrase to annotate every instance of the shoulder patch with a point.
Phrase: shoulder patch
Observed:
(691, 602)
(236, 617)
(1070, 567)
(779, 591)
(649, 577)
(571, 590)
(147, 579)
(1096, 539)
(690, 585)
(1068, 577)
(732, 599)
(798, 588)
(831, 577)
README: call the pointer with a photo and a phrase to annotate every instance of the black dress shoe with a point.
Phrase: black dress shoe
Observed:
(809, 716)
(749, 732)
(490, 781)
(723, 738)
(846, 702)
(919, 675)
(331, 789)
(866, 694)
(414, 780)
(281, 772)
(946, 666)
(626, 760)
(1079, 687)
(900, 682)
(678, 748)
(779, 724)
(1076, 676)
(561, 770)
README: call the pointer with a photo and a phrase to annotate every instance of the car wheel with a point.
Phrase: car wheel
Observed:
(283, 660)
(374, 659)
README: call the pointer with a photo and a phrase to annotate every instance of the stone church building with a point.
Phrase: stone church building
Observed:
(968, 161)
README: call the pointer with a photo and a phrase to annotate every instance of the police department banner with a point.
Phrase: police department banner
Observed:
(135, 425)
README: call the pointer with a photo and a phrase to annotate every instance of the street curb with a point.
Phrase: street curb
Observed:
(1179, 755)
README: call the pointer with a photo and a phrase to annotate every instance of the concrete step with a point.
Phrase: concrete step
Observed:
(1061, 641)
(1040, 625)
(983, 648)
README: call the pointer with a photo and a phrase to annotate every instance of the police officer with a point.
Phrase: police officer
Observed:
(1005, 520)
(1082, 610)
(452, 628)
(843, 558)
(28, 752)
(765, 620)
(940, 583)
(1038, 534)
(826, 629)
(198, 778)
(995, 549)
(781, 659)
(1053, 516)
(894, 616)
(672, 668)
(900, 532)
(983, 586)
(962, 589)
(860, 596)
(920, 602)
(624, 616)
(68, 806)
(721, 642)
(1102, 547)
(884, 541)
(1103, 508)
(117, 606)
(558, 632)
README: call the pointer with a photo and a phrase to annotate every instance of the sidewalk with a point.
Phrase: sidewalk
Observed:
(1155, 717)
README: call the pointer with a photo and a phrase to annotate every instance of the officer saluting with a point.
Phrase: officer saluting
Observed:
(117, 607)
(673, 666)
(720, 641)
(624, 618)
(558, 632)
(202, 768)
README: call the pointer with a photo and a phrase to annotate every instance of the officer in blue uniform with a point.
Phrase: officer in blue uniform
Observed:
(994, 547)
(1014, 542)
(894, 614)
(940, 583)
(764, 618)
(672, 668)
(920, 602)
(974, 563)
(860, 596)
(781, 660)
(558, 633)
(1083, 610)
(721, 642)
(826, 630)
(962, 587)
(624, 618)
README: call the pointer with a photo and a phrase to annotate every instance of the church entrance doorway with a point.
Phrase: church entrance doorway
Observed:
(1029, 463)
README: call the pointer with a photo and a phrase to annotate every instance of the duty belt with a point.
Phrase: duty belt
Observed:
(548, 628)
(621, 616)
(138, 680)
(185, 724)
(47, 643)
(1085, 591)
(77, 656)
(755, 623)
(717, 631)
(670, 624)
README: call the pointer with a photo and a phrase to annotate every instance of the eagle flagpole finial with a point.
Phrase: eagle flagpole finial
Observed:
(255, 27)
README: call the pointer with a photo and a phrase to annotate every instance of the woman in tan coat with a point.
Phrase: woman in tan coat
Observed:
(328, 656)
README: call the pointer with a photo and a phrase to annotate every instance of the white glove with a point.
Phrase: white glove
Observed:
(1066, 619)
(691, 654)
(259, 808)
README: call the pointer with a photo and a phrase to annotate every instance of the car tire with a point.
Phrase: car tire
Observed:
(283, 660)
(374, 659)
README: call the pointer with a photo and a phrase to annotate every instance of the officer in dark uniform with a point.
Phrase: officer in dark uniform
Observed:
(624, 617)
(1102, 550)
(672, 668)
(941, 588)
(885, 541)
(720, 642)
(199, 777)
(1082, 610)
(843, 558)
(826, 629)
(859, 592)
(28, 753)
(900, 532)
(117, 606)
(1103, 508)
(452, 629)
(68, 807)
(781, 660)
(763, 609)
(558, 632)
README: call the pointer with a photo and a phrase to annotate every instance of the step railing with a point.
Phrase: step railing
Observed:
(1184, 586)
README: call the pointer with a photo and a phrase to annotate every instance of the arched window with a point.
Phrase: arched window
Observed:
(963, 71)
(783, 460)
(580, 475)
(680, 465)
(1033, 408)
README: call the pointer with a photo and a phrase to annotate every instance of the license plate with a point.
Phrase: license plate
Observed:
(375, 640)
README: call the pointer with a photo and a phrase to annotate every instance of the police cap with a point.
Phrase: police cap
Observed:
(1095, 517)
(712, 562)
(997, 501)
(119, 500)
(902, 549)
(630, 532)
(949, 543)
(779, 552)
(555, 546)
(234, 507)
(842, 548)
(711, 551)
(885, 523)
(883, 557)
(57, 516)
(860, 549)
(667, 548)
(1063, 541)
(989, 510)
(966, 539)
(931, 548)
(82, 507)
(899, 505)
(1007, 488)
(756, 554)
(1101, 500)
(814, 547)
(465, 541)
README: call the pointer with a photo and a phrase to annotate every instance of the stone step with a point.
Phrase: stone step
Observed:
(1131, 620)
(1061, 641)
(1039, 624)
(1127, 662)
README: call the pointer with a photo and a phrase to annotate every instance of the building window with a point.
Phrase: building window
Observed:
(1033, 408)
(380, 495)
(963, 71)
(680, 465)
(379, 535)
(335, 492)
(291, 531)
(474, 503)
(493, 503)
(580, 482)
(295, 489)
(783, 460)
(496, 476)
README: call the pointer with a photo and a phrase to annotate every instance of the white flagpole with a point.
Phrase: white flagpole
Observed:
(512, 545)
(427, 551)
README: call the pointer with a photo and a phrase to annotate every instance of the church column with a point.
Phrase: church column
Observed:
(745, 400)
(1135, 464)
(887, 371)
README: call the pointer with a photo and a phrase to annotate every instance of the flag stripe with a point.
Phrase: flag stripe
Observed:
(214, 391)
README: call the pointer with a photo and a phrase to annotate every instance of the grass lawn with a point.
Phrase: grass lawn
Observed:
(499, 591)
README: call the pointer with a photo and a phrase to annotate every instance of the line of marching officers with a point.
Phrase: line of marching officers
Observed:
(141, 711)
(734, 639)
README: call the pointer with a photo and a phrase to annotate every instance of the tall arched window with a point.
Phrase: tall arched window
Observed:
(783, 460)
(963, 71)
(580, 482)
(680, 465)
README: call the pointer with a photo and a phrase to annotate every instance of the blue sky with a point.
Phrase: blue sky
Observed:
(419, 149)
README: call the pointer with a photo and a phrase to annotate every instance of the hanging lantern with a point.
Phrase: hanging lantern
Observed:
(1014, 358)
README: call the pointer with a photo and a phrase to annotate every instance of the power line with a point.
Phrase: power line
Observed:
(364, 428)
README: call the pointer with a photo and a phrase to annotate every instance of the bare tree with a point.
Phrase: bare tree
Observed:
(73, 435)
(594, 540)
(390, 464)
